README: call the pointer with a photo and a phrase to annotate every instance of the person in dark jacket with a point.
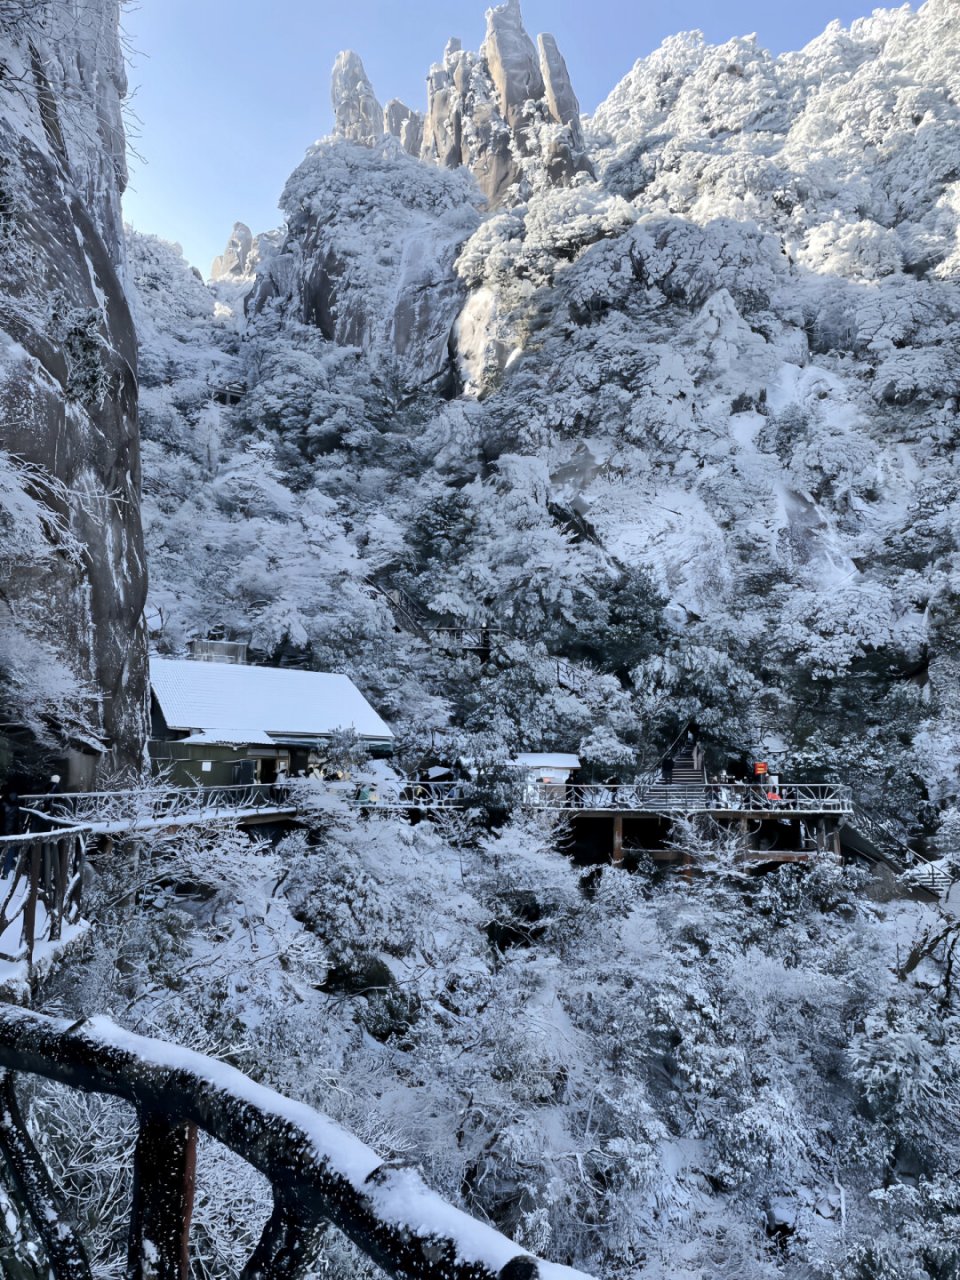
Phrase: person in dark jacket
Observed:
(668, 770)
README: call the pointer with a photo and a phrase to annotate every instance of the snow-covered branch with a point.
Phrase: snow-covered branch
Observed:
(317, 1170)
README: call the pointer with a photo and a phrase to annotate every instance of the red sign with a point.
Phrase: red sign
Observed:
(760, 769)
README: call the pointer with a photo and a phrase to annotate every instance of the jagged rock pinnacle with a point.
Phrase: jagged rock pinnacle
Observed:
(235, 259)
(359, 116)
(561, 99)
(512, 61)
(404, 123)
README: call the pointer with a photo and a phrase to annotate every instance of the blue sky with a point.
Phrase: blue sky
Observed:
(229, 93)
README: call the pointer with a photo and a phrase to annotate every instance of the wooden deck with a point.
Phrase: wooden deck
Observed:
(152, 809)
(729, 800)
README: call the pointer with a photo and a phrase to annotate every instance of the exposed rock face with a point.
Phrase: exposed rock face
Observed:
(464, 125)
(369, 257)
(512, 63)
(238, 257)
(402, 122)
(508, 113)
(359, 116)
(447, 88)
(68, 387)
(558, 89)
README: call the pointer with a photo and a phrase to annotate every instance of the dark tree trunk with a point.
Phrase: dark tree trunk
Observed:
(290, 1242)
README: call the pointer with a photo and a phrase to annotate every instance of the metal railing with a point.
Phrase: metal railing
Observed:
(465, 637)
(572, 677)
(882, 833)
(404, 794)
(129, 810)
(931, 876)
(145, 807)
(41, 877)
(647, 797)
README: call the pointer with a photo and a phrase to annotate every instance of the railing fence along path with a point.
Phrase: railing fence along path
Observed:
(658, 798)
(41, 876)
(639, 797)
(126, 810)
(318, 1172)
(146, 806)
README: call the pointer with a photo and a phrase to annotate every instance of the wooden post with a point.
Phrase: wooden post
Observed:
(66, 1256)
(29, 930)
(289, 1245)
(617, 856)
(164, 1180)
(61, 879)
(821, 835)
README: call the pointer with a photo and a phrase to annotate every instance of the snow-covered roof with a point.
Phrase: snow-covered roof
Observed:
(223, 702)
(547, 760)
(229, 738)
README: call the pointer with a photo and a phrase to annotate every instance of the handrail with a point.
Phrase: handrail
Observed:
(317, 1170)
(138, 807)
(693, 797)
(467, 637)
(145, 806)
(41, 879)
(880, 833)
(653, 776)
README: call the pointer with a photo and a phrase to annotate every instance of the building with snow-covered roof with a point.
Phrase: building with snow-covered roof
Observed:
(223, 723)
(546, 771)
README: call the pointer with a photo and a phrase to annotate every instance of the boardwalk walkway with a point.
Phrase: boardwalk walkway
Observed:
(153, 808)
(144, 809)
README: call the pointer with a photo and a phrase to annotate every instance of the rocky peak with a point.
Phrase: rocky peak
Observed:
(448, 84)
(359, 116)
(402, 122)
(485, 110)
(507, 113)
(558, 88)
(512, 63)
(237, 258)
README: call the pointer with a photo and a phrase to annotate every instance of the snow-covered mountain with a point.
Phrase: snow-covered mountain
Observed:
(700, 391)
(668, 397)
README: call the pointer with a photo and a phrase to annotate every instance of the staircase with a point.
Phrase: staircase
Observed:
(685, 772)
(688, 783)
(932, 877)
(408, 613)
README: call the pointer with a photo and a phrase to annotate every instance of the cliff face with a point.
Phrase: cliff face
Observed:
(507, 113)
(373, 236)
(73, 658)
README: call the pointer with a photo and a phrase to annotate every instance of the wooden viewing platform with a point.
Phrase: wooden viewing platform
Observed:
(103, 810)
(149, 809)
(794, 822)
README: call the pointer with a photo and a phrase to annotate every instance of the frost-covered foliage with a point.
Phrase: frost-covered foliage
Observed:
(686, 437)
(712, 393)
(636, 1074)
